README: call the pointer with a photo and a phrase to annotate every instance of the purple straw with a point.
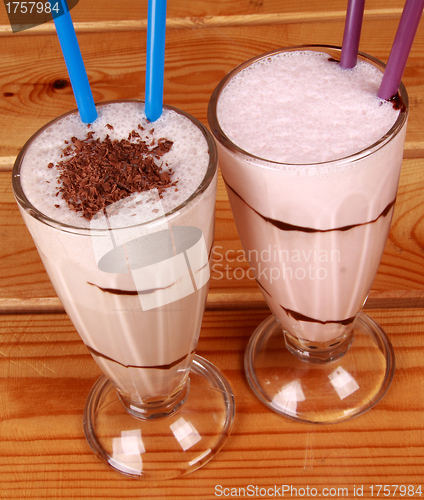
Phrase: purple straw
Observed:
(352, 33)
(401, 47)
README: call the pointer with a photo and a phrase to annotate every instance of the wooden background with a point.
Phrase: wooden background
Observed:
(45, 370)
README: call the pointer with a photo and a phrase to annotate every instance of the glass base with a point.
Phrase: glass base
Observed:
(163, 447)
(320, 392)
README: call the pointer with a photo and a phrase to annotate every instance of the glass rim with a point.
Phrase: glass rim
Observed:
(224, 140)
(26, 205)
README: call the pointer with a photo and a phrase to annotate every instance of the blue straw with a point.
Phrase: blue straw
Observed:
(73, 59)
(155, 58)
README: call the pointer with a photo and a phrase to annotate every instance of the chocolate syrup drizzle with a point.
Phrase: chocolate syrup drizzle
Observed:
(117, 291)
(263, 288)
(397, 102)
(156, 367)
(284, 226)
(301, 317)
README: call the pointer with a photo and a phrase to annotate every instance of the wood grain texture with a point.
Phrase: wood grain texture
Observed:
(25, 286)
(101, 11)
(34, 85)
(45, 370)
(209, 21)
(46, 373)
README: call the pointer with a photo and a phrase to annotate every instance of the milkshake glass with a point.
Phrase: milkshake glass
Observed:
(314, 232)
(134, 278)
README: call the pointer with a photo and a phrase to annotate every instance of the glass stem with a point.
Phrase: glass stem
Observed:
(148, 410)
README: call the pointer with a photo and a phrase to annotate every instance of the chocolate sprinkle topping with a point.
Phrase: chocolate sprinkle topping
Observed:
(100, 173)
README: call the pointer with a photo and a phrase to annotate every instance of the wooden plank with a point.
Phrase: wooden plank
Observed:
(210, 21)
(46, 373)
(24, 285)
(6, 163)
(104, 11)
(34, 85)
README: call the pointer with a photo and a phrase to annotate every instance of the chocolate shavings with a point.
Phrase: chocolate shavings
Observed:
(96, 174)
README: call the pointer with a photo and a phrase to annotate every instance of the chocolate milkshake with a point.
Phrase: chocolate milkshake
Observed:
(311, 160)
(122, 214)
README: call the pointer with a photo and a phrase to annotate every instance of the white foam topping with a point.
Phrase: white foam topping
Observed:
(188, 158)
(299, 107)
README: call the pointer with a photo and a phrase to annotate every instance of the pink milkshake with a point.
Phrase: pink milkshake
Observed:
(311, 159)
(122, 214)
(313, 195)
(142, 339)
